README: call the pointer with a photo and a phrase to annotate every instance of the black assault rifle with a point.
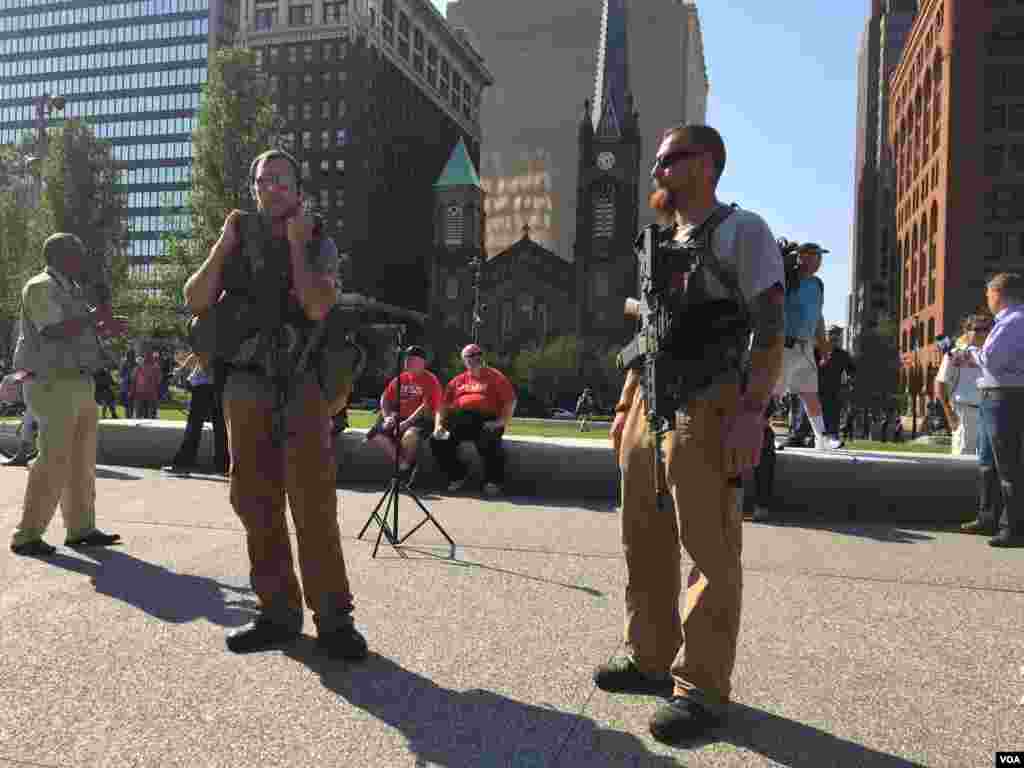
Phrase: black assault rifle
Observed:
(686, 338)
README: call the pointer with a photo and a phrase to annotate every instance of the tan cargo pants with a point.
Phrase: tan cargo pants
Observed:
(65, 470)
(706, 517)
(303, 471)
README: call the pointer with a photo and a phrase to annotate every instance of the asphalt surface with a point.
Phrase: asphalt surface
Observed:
(864, 645)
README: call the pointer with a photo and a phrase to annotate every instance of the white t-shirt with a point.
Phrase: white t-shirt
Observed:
(746, 247)
(963, 382)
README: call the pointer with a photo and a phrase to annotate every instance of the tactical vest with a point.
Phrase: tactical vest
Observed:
(703, 323)
(257, 306)
(710, 321)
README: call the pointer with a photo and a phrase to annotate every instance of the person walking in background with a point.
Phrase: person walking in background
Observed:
(204, 406)
(477, 407)
(127, 377)
(1001, 411)
(105, 392)
(146, 386)
(27, 441)
(585, 409)
(836, 370)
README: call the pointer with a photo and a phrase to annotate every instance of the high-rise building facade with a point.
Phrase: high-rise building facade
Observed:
(133, 70)
(541, 53)
(873, 262)
(957, 134)
(375, 95)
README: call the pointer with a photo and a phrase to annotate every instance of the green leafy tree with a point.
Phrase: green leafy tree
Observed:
(82, 193)
(236, 122)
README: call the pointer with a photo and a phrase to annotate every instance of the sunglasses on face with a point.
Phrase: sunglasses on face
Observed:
(277, 182)
(666, 161)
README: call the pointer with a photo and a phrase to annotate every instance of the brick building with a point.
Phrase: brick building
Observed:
(957, 136)
(375, 94)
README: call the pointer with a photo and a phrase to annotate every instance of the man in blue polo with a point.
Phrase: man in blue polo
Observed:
(805, 330)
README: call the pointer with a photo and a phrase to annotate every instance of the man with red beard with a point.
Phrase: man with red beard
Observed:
(717, 436)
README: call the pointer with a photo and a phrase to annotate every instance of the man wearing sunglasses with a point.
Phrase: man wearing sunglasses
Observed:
(278, 261)
(717, 436)
(1001, 411)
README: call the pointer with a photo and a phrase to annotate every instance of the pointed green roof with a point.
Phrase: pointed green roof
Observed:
(459, 172)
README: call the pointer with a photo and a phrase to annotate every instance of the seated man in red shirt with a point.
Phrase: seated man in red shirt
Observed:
(417, 403)
(478, 404)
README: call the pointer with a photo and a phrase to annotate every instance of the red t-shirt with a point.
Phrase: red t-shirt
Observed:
(489, 393)
(417, 387)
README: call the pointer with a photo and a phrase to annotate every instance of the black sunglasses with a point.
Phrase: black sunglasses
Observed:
(667, 161)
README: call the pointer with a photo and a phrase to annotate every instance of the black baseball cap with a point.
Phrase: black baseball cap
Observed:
(416, 351)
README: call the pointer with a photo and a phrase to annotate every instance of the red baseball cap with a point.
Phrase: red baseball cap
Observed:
(471, 349)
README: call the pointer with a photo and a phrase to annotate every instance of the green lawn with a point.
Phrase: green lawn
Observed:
(535, 428)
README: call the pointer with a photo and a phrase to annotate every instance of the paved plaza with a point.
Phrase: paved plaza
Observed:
(866, 645)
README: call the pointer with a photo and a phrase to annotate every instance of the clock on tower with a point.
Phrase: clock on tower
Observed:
(606, 161)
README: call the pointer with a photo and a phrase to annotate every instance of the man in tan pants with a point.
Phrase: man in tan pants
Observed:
(57, 352)
(717, 436)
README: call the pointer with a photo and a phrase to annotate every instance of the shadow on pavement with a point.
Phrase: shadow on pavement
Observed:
(787, 742)
(463, 563)
(159, 592)
(474, 728)
(877, 532)
(110, 474)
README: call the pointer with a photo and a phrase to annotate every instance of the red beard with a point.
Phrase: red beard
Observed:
(662, 201)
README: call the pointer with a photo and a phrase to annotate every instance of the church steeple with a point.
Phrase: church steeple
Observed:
(613, 100)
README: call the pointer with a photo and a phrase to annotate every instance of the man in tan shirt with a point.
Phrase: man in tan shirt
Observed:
(56, 354)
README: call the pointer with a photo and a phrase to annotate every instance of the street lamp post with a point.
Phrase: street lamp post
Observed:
(476, 264)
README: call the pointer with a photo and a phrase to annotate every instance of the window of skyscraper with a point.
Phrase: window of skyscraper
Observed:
(334, 12)
(325, 81)
(292, 113)
(327, 51)
(300, 15)
(307, 79)
(307, 140)
(274, 54)
(293, 54)
(307, 111)
(325, 200)
(307, 53)
(325, 166)
(325, 140)
(265, 19)
(339, 166)
(305, 167)
(342, 108)
(325, 110)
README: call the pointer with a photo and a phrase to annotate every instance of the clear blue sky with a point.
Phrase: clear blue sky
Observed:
(784, 95)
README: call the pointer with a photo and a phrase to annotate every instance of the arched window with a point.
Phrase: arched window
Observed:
(604, 211)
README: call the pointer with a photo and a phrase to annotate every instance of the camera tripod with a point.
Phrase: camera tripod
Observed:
(396, 487)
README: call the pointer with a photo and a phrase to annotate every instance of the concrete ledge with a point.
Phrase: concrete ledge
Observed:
(838, 486)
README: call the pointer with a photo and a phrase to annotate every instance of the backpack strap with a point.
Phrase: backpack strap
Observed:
(703, 238)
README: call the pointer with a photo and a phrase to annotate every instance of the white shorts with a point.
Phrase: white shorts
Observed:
(799, 371)
(965, 436)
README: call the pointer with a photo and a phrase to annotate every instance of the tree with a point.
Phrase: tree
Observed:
(83, 194)
(236, 122)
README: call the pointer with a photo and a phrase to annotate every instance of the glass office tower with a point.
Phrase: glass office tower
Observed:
(133, 70)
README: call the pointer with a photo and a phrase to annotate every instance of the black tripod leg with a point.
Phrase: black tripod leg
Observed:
(374, 516)
(428, 518)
